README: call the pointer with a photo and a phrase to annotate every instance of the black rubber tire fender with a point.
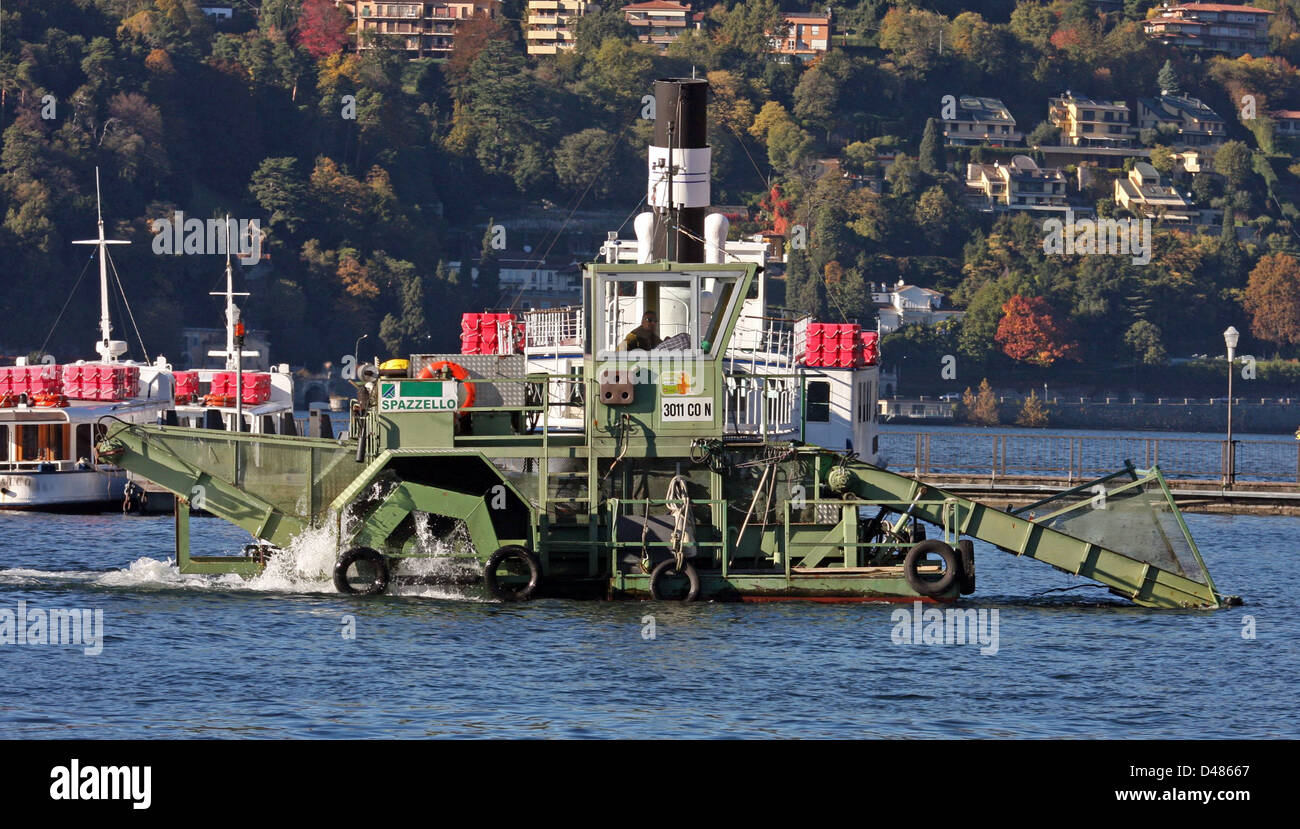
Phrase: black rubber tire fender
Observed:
(352, 556)
(966, 550)
(668, 565)
(534, 573)
(928, 587)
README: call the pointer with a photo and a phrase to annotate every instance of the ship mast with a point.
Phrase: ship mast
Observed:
(108, 348)
(234, 352)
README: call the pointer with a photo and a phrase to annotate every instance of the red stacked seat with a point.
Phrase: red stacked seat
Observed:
(470, 342)
(34, 380)
(870, 350)
(256, 388)
(223, 383)
(187, 386)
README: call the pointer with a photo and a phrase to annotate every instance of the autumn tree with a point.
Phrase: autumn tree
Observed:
(322, 28)
(912, 37)
(982, 408)
(1272, 299)
(472, 37)
(1030, 332)
(1032, 412)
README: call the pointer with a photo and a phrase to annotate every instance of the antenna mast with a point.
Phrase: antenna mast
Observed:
(108, 348)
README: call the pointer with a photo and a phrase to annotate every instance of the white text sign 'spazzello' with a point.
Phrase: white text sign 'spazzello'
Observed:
(418, 396)
(686, 408)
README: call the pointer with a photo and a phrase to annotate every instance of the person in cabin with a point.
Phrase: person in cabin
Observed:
(645, 336)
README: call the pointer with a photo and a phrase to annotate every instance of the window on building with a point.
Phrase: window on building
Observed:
(818, 408)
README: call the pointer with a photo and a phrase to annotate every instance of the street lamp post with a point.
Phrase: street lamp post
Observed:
(1230, 338)
(356, 351)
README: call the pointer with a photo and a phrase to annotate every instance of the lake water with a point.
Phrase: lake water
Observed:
(193, 656)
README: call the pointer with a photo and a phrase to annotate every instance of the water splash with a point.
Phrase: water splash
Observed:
(305, 566)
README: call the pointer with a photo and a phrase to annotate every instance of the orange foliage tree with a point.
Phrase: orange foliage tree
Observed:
(322, 28)
(1031, 333)
(1273, 299)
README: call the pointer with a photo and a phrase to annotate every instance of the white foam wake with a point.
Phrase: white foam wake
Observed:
(305, 566)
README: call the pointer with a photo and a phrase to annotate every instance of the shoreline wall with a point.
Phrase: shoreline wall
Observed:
(1261, 416)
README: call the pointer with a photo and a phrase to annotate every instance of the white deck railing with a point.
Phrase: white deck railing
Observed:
(553, 328)
(763, 406)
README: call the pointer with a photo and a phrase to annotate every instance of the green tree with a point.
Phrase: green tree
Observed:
(578, 163)
(405, 334)
(1046, 134)
(816, 99)
(279, 189)
(594, 28)
(1147, 343)
(931, 156)
(1233, 162)
(1168, 80)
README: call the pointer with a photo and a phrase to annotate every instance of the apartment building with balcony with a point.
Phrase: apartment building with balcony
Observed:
(421, 29)
(807, 36)
(550, 24)
(1229, 29)
(1088, 122)
(1147, 193)
(1187, 119)
(1020, 185)
(979, 121)
(660, 22)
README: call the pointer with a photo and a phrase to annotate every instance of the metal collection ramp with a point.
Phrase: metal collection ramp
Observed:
(1123, 530)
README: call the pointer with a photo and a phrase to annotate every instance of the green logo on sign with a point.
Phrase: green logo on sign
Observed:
(417, 396)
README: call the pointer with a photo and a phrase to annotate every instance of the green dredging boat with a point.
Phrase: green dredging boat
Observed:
(658, 486)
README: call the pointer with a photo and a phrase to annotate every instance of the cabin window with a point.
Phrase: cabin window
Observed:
(819, 402)
(41, 442)
(83, 442)
(662, 311)
(28, 443)
(4, 443)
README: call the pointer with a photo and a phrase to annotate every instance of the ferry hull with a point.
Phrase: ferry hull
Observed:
(70, 491)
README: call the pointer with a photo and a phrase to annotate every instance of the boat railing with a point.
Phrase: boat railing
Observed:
(46, 466)
(764, 405)
(552, 328)
(762, 343)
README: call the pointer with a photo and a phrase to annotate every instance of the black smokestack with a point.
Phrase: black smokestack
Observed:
(680, 169)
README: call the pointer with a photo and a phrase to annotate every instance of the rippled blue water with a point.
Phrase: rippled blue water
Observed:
(193, 656)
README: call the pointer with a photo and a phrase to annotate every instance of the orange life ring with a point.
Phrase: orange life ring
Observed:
(457, 371)
(8, 401)
(50, 399)
(226, 400)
